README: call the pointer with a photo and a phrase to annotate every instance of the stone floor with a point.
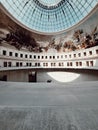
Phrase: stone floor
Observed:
(49, 106)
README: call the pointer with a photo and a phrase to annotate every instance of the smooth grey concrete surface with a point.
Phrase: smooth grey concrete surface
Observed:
(48, 106)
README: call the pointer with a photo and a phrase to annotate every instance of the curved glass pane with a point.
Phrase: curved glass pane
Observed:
(49, 2)
(47, 19)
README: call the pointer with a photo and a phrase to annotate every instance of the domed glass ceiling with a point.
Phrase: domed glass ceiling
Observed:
(49, 2)
(49, 16)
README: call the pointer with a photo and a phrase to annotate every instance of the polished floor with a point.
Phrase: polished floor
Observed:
(49, 106)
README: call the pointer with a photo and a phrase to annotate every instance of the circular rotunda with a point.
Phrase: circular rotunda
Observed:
(48, 64)
(48, 40)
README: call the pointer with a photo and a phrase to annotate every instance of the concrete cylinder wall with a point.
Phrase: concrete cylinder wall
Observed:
(16, 76)
(65, 76)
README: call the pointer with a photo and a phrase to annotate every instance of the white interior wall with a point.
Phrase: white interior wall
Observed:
(54, 76)
(67, 76)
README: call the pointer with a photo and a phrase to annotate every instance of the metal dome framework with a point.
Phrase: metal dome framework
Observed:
(49, 2)
(49, 18)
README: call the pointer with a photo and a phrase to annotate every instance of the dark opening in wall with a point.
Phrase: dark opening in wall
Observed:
(16, 54)
(27, 64)
(32, 77)
(38, 57)
(70, 63)
(38, 64)
(91, 63)
(9, 64)
(61, 56)
(17, 64)
(65, 56)
(3, 78)
(42, 57)
(43, 64)
(35, 64)
(21, 55)
(90, 52)
(87, 63)
(80, 63)
(10, 53)
(20, 64)
(96, 51)
(79, 54)
(46, 64)
(57, 57)
(60, 64)
(46, 57)
(34, 56)
(26, 56)
(4, 52)
(30, 64)
(50, 57)
(84, 53)
(53, 64)
(67, 63)
(5, 64)
(53, 57)
(76, 63)
(74, 55)
(30, 56)
(69, 56)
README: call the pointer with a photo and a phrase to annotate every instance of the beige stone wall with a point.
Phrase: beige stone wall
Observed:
(16, 76)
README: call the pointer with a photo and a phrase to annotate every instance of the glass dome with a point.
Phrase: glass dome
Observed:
(49, 2)
(49, 16)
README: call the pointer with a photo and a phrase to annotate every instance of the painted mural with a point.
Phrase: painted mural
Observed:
(84, 36)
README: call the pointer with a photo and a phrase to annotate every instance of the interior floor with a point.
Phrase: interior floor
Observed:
(49, 106)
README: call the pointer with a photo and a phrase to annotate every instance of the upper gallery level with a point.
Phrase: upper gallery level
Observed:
(11, 58)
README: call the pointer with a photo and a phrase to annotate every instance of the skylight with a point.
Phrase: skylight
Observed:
(49, 2)
(38, 15)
